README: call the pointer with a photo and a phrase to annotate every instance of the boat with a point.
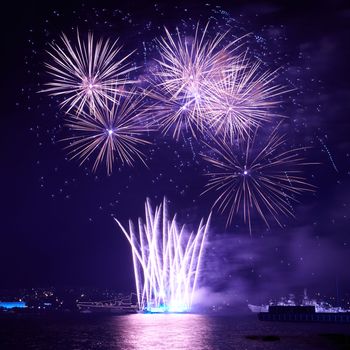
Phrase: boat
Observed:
(309, 310)
(121, 306)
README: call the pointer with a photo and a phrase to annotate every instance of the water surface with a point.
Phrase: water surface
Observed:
(170, 332)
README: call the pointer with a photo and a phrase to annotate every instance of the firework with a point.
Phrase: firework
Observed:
(87, 73)
(166, 260)
(114, 130)
(264, 178)
(242, 99)
(186, 67)
(174, 114)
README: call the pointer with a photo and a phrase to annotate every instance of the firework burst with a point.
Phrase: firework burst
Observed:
(174, 114)
(110, 132)
(241, 100)
(166, 260)
(87, 73)
(263, 178)
(180, 85)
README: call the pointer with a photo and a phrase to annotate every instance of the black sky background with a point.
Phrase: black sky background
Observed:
(46, 240)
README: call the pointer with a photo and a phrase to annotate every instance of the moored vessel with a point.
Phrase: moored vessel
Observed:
(309, 310)
(116, 306)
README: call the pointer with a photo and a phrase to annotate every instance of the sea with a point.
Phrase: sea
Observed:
(166, 331)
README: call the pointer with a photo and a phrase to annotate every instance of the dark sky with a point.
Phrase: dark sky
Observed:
(56, 226)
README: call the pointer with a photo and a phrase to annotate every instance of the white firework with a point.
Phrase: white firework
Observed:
(242, 99)
(261, 177)
(114, 131)
(166, 260)
(86, 73)
(186, 67)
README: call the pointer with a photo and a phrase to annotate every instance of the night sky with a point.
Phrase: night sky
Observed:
(57, 226)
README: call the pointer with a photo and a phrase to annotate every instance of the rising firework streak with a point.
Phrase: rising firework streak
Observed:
(166, 260)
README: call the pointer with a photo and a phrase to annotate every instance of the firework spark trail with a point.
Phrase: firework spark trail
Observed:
(185, 68)
(262, 178)
(112, 130)
(166, 260)
(87, 73)
(287, 199)
(242, 99)
(329, 154)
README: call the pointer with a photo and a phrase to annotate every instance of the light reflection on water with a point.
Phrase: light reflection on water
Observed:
(163, 331)
(203, 332)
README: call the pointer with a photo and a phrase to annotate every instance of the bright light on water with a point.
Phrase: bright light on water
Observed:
(172, 308)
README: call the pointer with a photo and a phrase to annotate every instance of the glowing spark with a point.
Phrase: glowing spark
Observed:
(329, 155)
(111, 131)
(186, 67)
(262, 178)
(166, 260)
(86, 73)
